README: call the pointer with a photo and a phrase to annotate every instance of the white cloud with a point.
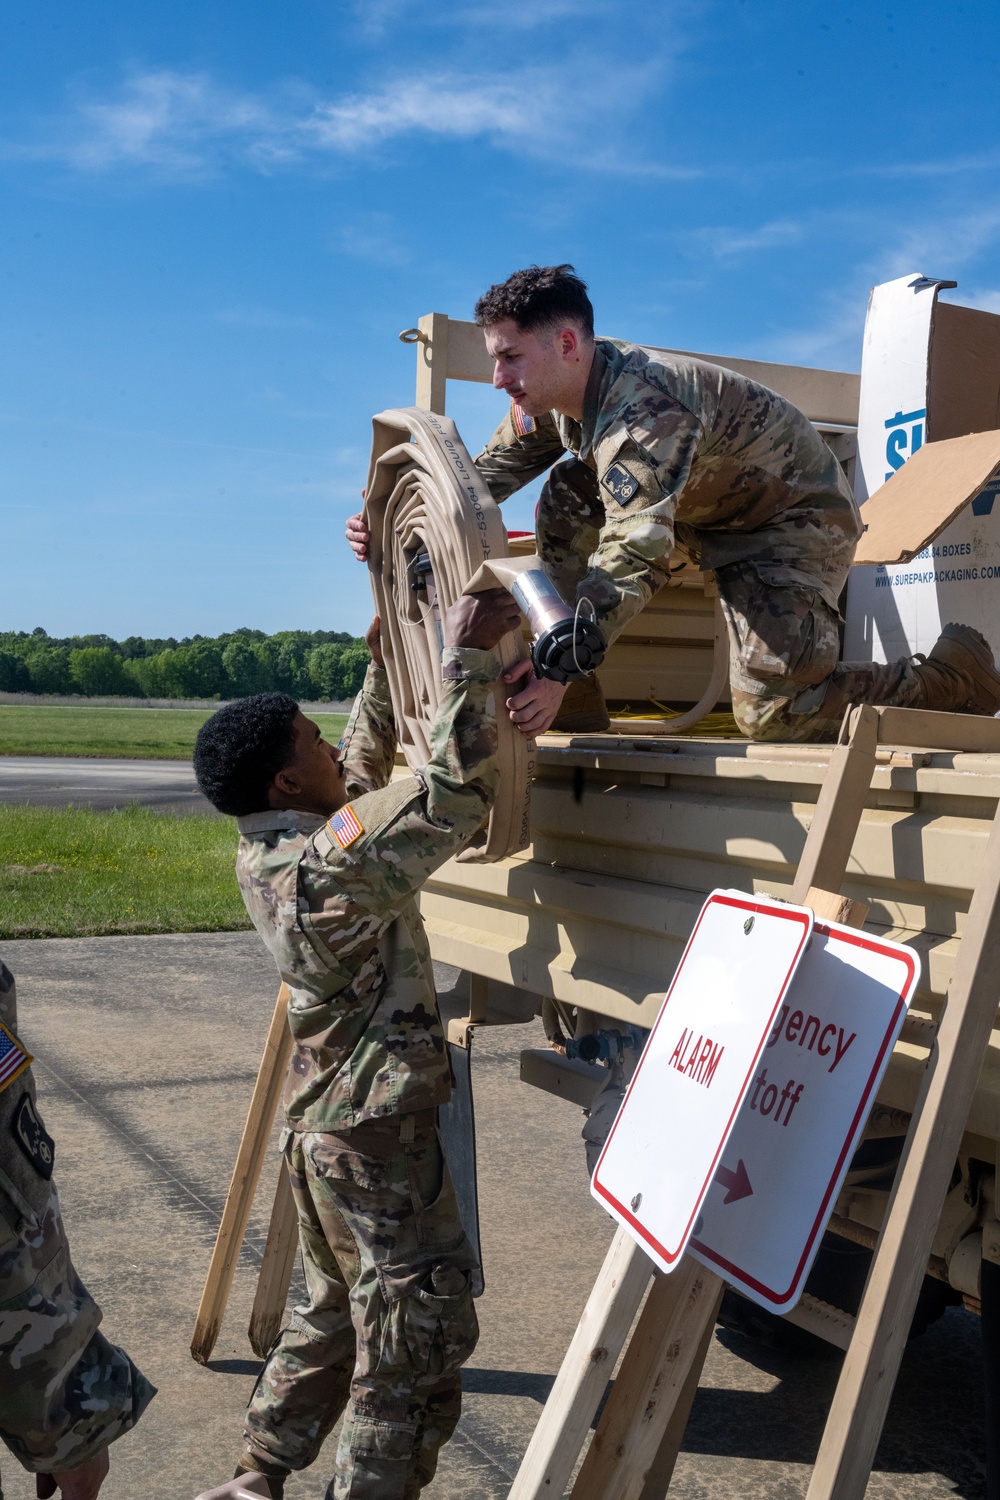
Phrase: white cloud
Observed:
(186, 123)
(834, 342)
(935, 246)
(163, 119)
(532, 111)
(375, 238)
(951, 166)
(943, 245)
(376, 17)
(730, 244)
(189, 123)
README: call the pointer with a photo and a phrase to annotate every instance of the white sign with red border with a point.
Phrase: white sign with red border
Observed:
(665, 1146)
(802, 1119)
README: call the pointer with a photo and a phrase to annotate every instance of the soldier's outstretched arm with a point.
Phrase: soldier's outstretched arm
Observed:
(364, 866)
(368, 744)
(521, 448)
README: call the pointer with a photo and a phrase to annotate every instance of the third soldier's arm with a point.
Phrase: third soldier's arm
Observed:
(411, 827)
(513, 458)
(368, 744)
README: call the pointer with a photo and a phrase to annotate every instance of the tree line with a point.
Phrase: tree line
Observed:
(319, 664)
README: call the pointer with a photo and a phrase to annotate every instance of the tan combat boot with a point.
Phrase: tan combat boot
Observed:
(583, 709)
(960, 675)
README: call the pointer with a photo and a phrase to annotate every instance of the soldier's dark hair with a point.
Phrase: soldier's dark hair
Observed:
(538, 297)
(240, 750)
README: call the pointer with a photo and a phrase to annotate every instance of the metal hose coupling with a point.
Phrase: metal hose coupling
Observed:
(605, 1046)
(566, 645)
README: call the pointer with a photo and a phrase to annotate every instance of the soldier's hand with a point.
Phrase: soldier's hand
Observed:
(481, 620)
(358, 536)
(536, 705)
(373, 640)
(85, 1482)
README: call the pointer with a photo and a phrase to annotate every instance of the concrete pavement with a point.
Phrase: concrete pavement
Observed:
(147, 1049)
(56, 781)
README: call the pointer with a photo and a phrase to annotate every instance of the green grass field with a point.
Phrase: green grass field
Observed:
(71, 872)
(137, 733)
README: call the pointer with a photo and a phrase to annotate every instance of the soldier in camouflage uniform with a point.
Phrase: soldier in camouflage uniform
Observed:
(676, 451)
(330, 859)
(66, 1393)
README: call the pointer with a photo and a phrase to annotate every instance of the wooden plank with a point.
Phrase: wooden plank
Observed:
(468, 357)
(829, 907)
(432, 362)
(859, 1406)
(276, 1268)
(661, 1355)
(566, 1417)
(931, 730)
(825, 1321)
(841, 802)
(569, 1077)
(246, 1173)
(661, 1470)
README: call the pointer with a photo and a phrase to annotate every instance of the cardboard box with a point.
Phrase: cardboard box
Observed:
(930, 373)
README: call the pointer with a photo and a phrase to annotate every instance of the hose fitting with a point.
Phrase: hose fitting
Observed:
(604, 1046)
(566, 647)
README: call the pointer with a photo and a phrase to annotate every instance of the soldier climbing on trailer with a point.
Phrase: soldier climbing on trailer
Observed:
(677, 451)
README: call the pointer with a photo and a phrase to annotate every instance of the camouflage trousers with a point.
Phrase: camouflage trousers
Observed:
(65, 1391)
(389, 1319)
(786, 677)
(785, 674)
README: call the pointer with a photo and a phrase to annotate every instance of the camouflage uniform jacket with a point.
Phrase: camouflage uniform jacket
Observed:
(339, 915)
(65, 1391)
(683, 451)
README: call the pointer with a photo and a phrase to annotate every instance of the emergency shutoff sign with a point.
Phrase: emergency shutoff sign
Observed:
(737, 1152)
(666, 1145)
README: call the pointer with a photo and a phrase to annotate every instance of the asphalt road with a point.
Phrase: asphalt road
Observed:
(147, 1048)
(56, 781)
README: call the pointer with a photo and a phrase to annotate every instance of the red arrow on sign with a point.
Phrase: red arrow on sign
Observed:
(736, 1184)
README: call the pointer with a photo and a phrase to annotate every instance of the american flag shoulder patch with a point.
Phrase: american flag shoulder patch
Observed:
(346, 827)
(523, 424)
(13, 1058)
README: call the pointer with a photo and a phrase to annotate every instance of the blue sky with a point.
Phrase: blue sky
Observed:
(217, 217)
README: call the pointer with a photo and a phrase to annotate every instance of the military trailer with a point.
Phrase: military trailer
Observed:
(633, 827)
(580, 909)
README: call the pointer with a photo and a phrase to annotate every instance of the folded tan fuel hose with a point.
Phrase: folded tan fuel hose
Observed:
(424, 496)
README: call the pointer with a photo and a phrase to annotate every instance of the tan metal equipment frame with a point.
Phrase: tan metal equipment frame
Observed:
(640, 1431)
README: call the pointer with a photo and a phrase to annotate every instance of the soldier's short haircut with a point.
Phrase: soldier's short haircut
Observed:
(240, 750)
(538, 297)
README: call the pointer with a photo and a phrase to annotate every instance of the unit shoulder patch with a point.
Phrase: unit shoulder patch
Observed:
(621, 484)
(13, 1058)
(346, 827)
(32, 1137)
